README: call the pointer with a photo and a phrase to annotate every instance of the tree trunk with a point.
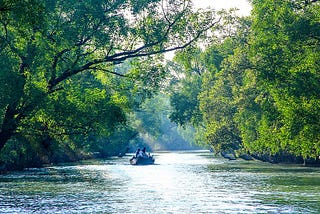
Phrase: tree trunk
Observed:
(8, 126)
(4, 137)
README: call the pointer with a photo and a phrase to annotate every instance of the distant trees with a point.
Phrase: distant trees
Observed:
(156, 130)
(186, 88)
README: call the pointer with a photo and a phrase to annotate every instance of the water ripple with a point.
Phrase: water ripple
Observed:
(180, 182)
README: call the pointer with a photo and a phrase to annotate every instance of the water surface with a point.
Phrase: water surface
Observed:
(179, 182)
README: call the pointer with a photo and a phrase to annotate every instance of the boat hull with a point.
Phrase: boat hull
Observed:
(141, 161)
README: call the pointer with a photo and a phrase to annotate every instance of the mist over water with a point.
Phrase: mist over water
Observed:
(179, 182)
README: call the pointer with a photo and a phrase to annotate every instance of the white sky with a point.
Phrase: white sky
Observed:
(243, 5)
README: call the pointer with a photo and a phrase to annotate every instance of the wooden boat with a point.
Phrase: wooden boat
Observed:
(142, 160)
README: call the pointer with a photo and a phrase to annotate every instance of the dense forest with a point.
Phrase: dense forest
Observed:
(89, 78)
(258, 87)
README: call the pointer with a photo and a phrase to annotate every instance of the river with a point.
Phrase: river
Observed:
(179, 182)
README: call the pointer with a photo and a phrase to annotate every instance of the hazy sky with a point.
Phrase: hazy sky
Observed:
(243, 5)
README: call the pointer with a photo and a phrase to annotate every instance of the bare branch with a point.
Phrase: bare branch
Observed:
(55, 90)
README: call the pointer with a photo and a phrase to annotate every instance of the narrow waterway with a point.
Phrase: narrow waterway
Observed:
(179, 182)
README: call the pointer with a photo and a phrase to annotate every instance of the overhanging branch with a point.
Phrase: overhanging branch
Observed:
(138, 52)
(108, 71)
(148, 49)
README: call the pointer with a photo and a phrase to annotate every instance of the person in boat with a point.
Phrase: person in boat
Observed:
(144, 152)
(140, 155)
(145, 155)
(138, 152)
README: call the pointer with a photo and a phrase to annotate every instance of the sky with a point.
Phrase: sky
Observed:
(243, 5)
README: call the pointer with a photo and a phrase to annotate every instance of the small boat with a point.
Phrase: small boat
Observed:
(142, 160)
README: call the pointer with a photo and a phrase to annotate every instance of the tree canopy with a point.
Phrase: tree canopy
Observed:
(53, 54)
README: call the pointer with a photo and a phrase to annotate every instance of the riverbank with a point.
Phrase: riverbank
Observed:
(37, 162)
(274, 159)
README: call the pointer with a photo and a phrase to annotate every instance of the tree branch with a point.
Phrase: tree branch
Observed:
(147, 49)
(108, 71)
(135, 53)
(309, 2)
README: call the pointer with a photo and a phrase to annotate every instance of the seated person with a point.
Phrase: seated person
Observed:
(138, 153)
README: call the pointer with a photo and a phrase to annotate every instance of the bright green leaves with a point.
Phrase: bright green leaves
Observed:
(287, 52)
(186, 86)
(76, 112)
(218, 109)
(146, 76)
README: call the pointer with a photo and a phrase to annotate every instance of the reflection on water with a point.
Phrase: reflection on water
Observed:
(180, 182)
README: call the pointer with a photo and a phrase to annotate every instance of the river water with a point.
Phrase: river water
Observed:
(179, 182)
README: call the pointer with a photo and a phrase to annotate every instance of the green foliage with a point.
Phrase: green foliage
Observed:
(286, 51)
(185, 103)
(216, 104)
(185, 87)
(219, 93)
(260, 85)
